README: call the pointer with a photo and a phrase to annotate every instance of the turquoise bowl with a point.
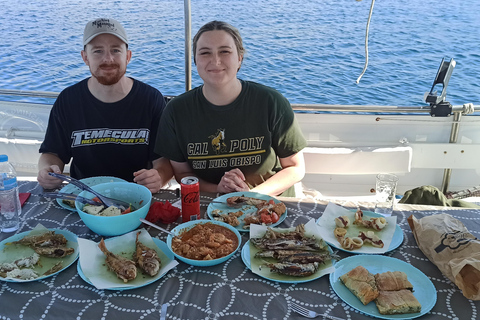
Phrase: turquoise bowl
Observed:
(137, 195)
(202, 263)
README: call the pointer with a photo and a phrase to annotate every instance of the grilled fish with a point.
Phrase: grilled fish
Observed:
(295, 256)
(299, 233)
(22, 263)
(47, 239)
(124, 268)
(54, 252)
(24, 274)
(146, 258)
(232, 201)
(305, 244)
(27, 262)
(293, 269)
(228, 218)
(6, 267)
(58, 266)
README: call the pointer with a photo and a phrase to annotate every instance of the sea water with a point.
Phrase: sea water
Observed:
(311, 51)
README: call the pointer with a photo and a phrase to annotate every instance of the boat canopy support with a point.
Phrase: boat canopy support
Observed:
(188, 44)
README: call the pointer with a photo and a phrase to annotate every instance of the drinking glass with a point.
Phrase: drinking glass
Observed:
(386, 186)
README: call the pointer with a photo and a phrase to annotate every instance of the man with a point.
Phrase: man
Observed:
(106, 124)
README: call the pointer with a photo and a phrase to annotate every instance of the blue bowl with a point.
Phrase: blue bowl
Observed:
(202, 263)
(137, 195)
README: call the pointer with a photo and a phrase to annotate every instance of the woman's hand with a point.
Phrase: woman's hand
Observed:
(232, 181)
(293, 171)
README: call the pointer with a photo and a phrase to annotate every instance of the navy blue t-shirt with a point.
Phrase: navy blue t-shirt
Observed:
(104, 139)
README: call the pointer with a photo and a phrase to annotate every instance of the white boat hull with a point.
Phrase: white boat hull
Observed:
(355, 140)
(345, 151)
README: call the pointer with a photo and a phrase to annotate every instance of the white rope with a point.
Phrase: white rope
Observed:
(473, 192)
(468, 108)
(366, 42)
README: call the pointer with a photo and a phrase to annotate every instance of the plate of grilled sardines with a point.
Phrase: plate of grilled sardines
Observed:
(292, 255)
(129, 261)
(37, 254)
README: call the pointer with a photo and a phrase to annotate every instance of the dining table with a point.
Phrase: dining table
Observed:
(229, 290)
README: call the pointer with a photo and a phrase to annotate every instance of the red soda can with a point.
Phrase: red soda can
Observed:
(190, 198)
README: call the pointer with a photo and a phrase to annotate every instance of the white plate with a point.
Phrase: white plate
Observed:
(283, 278)
(247, 209)
(423, 288)
(397, 238)
(146, 279)
(12, 252)
(70, 188)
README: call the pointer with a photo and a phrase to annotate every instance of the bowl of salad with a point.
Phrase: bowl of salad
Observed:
(111, 221)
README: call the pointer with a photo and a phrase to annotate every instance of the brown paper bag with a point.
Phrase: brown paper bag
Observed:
(454, 250)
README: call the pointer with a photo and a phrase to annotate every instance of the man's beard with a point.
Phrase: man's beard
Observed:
(109, 79)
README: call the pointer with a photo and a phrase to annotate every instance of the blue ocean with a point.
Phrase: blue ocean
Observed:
(311, 51)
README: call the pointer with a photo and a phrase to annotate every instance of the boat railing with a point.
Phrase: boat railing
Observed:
(297, 107)
(27, 93)
(347, 110)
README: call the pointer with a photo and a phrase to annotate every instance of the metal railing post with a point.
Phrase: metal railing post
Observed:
(188, 45)
(447, 173)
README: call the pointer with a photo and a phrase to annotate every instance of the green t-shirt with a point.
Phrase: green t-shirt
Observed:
(251, 134)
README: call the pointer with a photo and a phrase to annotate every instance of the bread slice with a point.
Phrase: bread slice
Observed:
(397, 302)
(392, 281)
(361, 283)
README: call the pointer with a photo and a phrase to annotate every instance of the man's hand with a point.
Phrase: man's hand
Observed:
(46, 180)
(149, 178)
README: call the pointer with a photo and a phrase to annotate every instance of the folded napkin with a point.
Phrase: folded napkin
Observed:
(23, 197)
(163, 212)
(431, 195)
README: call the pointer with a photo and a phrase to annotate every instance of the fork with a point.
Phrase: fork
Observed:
(122, 205)
(163, 312)
(69, 196)
(309, 313)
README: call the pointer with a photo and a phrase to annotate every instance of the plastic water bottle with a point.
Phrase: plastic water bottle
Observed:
(10, 207)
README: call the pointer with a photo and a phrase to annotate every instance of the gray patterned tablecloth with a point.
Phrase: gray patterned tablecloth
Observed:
(226, 291)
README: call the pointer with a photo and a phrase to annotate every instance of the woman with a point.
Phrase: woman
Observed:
(233, 135)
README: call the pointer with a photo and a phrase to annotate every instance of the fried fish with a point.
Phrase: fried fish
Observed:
(146, 258)
(124, 268)
(56, 267)
(47, 239)
(54, 252)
